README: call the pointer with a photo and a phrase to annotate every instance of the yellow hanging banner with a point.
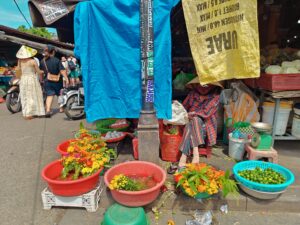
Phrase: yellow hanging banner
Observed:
(223, 36)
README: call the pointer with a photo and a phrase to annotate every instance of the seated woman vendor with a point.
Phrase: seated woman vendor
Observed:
(202, 105)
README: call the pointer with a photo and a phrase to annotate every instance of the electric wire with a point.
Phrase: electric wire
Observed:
(22, 13)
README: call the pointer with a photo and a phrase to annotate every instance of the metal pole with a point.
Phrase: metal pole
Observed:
(147, 54)
(148, 136)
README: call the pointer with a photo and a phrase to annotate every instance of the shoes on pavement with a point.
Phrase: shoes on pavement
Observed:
(48, 115)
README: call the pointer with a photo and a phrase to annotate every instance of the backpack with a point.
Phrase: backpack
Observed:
(72, 65)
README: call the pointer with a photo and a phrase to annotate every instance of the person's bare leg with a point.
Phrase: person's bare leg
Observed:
(182, 161)
(195, 155)
(73, 82)
(49, 101)
(77, 81)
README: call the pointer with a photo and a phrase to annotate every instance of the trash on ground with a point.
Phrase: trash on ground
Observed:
(201, 218)
(224, 208)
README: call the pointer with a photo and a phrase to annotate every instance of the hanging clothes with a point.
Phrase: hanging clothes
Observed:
(202, 128)
(107, 41)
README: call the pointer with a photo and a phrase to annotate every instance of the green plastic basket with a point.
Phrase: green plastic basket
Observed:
(103, 126)
(122, 215)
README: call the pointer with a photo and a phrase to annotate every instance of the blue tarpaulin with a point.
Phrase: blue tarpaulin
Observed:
(107, 41)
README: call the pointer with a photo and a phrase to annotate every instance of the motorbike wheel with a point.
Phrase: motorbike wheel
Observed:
(13, 103)
(74, 114)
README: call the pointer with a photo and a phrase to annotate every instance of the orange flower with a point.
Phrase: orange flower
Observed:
(201, 188)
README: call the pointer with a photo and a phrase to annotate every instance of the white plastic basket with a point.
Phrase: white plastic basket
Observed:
(89, 201)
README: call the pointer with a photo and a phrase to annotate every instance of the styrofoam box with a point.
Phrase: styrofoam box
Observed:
(89, 200)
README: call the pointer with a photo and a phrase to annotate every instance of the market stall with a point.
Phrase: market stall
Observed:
(189, 127)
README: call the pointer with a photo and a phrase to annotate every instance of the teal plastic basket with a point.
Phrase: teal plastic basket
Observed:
(252, 164)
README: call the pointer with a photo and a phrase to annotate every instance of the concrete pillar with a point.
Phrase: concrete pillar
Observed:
(148, 136)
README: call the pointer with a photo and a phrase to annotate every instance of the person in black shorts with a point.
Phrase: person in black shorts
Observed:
(51, 64)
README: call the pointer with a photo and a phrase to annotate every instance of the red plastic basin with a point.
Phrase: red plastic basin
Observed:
(63, 146)
(68, 188)
(139, 168)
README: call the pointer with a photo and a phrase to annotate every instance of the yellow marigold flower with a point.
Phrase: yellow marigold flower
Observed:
(70, 149)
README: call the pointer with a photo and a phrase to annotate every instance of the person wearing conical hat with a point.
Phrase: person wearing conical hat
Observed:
(201, 104)
(30, 89)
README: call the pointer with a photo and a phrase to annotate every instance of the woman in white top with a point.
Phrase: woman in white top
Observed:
(30, 88)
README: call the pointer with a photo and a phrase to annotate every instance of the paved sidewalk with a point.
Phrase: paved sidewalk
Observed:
(27, 146)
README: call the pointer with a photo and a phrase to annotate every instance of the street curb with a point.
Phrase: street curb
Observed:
(288, 202)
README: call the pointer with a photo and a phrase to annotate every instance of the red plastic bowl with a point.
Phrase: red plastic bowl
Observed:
(139, 168)
(68, 188)
(63, 146)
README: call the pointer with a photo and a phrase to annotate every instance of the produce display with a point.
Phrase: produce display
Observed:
(6, 71)
(263, 176)
(131, 183)
(85, 156)
(287, 67)
(203, 178)
(172, 130)
(280, 61)
(112, 135)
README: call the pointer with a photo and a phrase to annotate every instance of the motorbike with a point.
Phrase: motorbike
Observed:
(13, 102)
(72, 101)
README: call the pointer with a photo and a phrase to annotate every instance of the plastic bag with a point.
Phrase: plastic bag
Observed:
(169, 145)
(179, 115)
(201, 218)
(181, 80)
(217, 38)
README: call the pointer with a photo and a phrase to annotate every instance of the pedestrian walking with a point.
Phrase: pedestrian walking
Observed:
(30, 88)
(66, 66)
(53, 69)
(74, 71)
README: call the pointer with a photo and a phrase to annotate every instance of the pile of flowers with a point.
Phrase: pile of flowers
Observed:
(203, 178)
(85, 156)
(127, 183)
(83, 132)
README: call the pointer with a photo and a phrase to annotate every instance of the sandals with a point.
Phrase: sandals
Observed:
(175, 168)
(172, 169)
(48, 115)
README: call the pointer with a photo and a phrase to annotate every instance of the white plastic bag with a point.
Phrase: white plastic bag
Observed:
(201, 218)
(179, 115)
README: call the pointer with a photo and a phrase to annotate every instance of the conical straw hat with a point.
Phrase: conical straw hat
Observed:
(26, 52)
(196, 81)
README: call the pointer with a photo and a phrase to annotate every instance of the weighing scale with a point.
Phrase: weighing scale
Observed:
(262, 139)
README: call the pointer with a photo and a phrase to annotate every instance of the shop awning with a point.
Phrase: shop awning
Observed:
(14, 36)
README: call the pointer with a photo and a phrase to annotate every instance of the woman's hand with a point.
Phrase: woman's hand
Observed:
(191, 115)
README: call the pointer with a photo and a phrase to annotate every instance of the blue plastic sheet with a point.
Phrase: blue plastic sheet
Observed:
(107, 41)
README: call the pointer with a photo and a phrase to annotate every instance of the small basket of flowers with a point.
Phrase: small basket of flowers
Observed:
(84, 132)
(135, 183)
(202, 181)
